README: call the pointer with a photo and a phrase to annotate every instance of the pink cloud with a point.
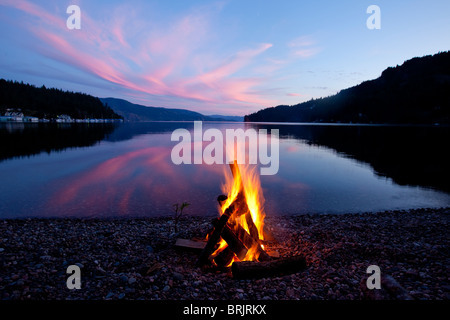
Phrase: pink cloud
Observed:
(242, 58)
(294, 94)
(157, 62)
(119, 33)
(66, 52)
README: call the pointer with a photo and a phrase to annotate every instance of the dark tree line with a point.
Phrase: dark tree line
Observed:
(49, 103)
(416, 92)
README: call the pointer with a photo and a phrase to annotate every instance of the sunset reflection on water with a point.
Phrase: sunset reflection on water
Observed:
(130, 173)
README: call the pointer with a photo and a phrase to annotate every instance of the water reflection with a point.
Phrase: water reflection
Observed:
(26, 139)
(138, 182)
(129, 130)
(410, 155)
(128, 170)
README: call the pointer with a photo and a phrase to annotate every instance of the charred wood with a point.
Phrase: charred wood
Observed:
(233, 241)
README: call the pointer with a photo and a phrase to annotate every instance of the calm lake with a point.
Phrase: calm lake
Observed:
(111, 170)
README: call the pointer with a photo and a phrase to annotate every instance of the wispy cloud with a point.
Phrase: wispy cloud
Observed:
(34, 10)
(304, 47)
(138, 56)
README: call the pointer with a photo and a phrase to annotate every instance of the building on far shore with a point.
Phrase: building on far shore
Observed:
(64, 118)
(16, 115)
(30, 119)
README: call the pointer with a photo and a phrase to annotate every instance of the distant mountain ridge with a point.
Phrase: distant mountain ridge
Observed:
(417, 92)
(135, 112)
(51, 103)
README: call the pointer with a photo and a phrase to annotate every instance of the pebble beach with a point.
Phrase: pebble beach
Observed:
(136, 259)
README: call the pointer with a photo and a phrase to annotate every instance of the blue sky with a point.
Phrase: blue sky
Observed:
(215, 57)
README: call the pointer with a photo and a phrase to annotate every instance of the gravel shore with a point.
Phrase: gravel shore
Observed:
(136, 258)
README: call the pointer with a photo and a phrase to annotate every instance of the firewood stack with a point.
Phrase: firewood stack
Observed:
(240, 241)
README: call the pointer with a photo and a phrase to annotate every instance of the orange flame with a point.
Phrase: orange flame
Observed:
(245, 180)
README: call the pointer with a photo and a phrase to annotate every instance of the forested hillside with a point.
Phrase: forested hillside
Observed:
(416, 92)
(50, 103)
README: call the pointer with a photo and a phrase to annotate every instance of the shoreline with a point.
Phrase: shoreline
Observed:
(135, 258)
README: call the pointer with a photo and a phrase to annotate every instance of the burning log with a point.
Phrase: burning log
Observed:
(214, 238)
(251, 242)
(255, 270)
(236, 236)
(224, 258)
(233, 241)
(251, 226)
(243, 241)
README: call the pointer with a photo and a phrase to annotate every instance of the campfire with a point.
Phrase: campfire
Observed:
(239, 232)
(238, 237)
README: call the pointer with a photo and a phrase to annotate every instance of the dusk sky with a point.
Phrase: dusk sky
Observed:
(214, 57)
